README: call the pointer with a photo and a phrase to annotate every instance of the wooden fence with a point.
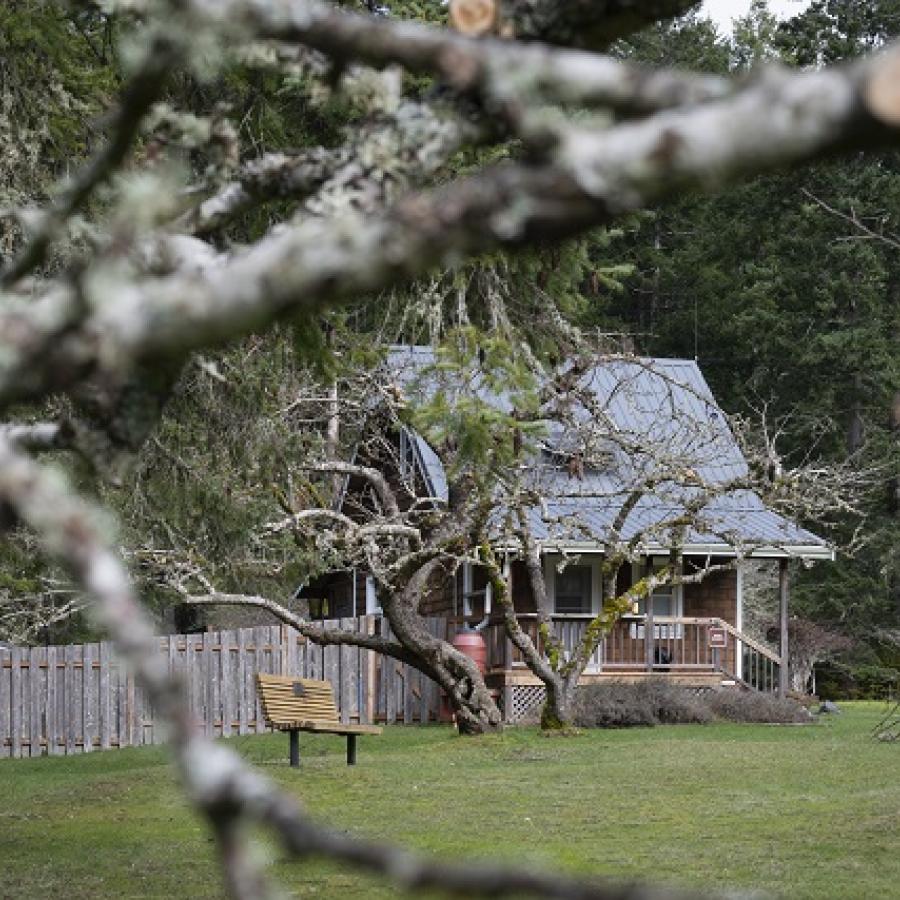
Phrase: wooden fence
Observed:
(77, 698)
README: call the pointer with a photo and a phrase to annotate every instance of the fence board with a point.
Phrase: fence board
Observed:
(131, 734)
(344, 687)
(121, 703)
(332, 665)
(227, 683)
(50, 704)
(35, 695)
(5, 704)
(410, 690)
(71, 699)
(367, 684)
(208, 693)
(87, 696)
(244, 694)
(105, 699)
(15, 694)
(259, 639)
(289, 639)
(389, 670)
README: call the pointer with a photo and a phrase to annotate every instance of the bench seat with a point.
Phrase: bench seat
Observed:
(305, 704)
(327, 727)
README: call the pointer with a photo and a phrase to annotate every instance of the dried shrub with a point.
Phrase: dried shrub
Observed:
(621, 705)
(657, 702)
(750, 706)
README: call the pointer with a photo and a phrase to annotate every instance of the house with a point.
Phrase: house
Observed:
(663, 468)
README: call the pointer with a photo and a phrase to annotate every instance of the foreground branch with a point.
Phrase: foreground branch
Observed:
(786, 118)
(38, 437)
(498, 70)
(594, 24)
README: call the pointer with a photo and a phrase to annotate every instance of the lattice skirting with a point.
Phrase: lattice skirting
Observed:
(526, 700)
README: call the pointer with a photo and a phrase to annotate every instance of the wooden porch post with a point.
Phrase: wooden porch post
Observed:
(783, 627)
(649, 638)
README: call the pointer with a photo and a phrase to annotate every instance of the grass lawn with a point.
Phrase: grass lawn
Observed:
(802, 811)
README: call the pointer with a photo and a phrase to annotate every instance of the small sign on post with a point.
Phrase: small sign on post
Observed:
(718, 637)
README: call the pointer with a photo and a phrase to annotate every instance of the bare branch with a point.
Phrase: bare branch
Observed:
(373, 476)
(318, 634)
(891, 240)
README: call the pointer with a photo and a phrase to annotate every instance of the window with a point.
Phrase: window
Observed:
(666, 601)
(663, 602)
(573, 590)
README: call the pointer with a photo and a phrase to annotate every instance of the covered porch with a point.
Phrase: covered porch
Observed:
(695, 651)
(690, 633)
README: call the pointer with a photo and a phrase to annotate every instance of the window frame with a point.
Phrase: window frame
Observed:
(591, 561)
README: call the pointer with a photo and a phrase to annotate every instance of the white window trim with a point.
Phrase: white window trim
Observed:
(373, 607)
(467, 583)
(467, 590)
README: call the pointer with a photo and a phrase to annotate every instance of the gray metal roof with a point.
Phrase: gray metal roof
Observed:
(664, 403)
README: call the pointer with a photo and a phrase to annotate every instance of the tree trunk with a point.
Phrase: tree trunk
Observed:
(475, 709)
(559, 707)
(801, 673)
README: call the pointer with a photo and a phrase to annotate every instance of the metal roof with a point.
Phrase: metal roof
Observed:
(665, 403)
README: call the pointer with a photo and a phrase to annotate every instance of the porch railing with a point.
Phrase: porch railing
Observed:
(667, 644)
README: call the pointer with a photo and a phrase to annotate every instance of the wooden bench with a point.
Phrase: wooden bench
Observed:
(303, 704)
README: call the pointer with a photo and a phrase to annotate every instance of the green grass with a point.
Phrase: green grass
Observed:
(801, 811)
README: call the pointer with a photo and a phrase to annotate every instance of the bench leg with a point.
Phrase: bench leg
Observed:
(295, 748)
(351, 749)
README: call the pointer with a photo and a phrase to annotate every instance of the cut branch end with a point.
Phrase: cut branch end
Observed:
(882, 93)
(473, 17)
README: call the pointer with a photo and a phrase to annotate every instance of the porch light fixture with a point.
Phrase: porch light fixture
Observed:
(635, 607)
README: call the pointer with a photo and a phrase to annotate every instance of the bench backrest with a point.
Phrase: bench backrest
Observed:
(286, 700)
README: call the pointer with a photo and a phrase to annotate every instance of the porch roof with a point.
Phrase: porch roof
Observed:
(663, 402)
